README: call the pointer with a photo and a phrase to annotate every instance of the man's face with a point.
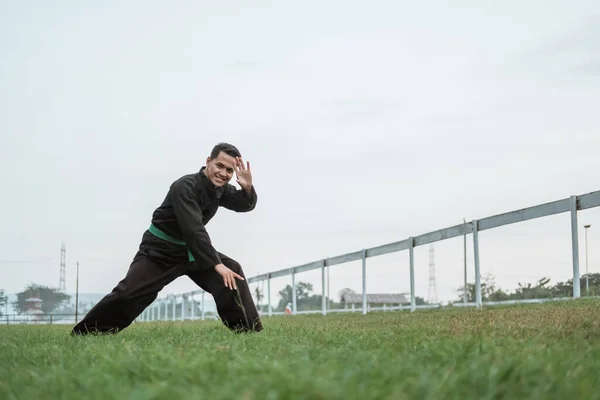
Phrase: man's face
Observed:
(220, 170)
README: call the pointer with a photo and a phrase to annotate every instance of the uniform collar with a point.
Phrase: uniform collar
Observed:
(206, 183)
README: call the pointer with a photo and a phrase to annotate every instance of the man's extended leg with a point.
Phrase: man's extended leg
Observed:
(235, 307)
(140, 287)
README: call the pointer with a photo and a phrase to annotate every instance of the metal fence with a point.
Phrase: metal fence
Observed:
(39, 319)
(572, 205)
(194, 305)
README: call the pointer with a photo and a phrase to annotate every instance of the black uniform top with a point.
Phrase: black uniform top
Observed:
(189, 205)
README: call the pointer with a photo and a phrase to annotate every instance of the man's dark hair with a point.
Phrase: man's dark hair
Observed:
(226, 148)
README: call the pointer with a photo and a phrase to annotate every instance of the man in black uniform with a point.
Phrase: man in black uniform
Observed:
(178, 244)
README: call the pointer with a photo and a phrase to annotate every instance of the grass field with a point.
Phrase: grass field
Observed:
(518, 352)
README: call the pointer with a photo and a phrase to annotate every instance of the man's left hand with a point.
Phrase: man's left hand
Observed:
(243, 173)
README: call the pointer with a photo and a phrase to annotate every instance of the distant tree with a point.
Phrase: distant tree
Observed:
(565, 289)
(259, 296)
(538, 290)
(344, 292)
(51, 298)
(303, 290)
(419, 301)
(3, 301)
(489, 291)
(304, 299)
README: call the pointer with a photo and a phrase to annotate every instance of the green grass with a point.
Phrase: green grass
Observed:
(519, 352)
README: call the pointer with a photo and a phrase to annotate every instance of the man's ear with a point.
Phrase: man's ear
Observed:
(207, 160)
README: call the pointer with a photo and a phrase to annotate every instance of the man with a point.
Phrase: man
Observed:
(178, 244)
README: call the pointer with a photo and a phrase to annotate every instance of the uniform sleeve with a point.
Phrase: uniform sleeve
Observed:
(189, 219)
(237, 199)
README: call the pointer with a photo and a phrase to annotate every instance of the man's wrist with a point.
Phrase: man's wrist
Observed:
(247, 190)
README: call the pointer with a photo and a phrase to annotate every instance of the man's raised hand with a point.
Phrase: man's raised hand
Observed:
(243, 173)
(228, 276)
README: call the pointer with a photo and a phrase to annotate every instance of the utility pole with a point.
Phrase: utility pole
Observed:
(77, 294)
(587, 278)
(63, 256)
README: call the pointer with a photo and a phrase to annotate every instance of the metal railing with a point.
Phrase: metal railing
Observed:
(39, 319)
(181, 307)
(572, 204)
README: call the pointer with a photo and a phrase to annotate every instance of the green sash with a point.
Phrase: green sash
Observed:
(165, 236)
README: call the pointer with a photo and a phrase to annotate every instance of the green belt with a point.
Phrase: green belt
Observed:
(165, 236)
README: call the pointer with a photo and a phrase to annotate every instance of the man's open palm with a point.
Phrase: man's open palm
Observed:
(228, 276)
(243, 173)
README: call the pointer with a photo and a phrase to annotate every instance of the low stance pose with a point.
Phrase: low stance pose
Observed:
(177, 244)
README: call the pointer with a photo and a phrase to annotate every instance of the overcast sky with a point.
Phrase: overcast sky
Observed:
(364, 122)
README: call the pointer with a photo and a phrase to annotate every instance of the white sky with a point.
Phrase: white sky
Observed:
(364, 122)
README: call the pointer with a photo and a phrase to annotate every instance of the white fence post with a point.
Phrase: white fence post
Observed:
(293, 291)
(202, 310)
(174, 300)
(269, 295)
(575, 247)
(364, 281)
(478, 301)
(411, 252)
(183, 297)
(193, 316)
(323, 306)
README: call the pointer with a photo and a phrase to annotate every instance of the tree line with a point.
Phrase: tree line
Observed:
(305, 299)
(542, 289)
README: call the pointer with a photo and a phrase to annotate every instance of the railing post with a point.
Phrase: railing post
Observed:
(323, 301)
(478, 301)
(293, 291)
(364, 281)
(174, 300)
(183, 296)
(575, 246)
(193, 316)
(465, 293)
(328, 286)
(411, 252)
(203, 306)
(269, 295)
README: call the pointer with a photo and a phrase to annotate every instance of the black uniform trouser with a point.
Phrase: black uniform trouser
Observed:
(148, 276)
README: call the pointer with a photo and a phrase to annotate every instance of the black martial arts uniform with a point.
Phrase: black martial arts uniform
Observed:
(191, 202)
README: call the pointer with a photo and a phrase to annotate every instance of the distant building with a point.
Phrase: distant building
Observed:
(354, 300)
(33, 307)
